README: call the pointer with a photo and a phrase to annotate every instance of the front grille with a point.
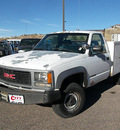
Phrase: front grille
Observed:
(14, 76)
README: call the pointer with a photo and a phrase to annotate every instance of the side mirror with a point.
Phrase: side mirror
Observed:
(85, 46)
(97, 48)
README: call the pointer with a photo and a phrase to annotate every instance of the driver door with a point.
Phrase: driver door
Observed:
(99, 62)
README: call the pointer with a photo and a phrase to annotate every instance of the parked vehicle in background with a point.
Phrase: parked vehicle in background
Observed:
(13, 43)
(27, 44)
(5, 49)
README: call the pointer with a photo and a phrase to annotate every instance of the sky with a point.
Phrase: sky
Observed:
(18, 17)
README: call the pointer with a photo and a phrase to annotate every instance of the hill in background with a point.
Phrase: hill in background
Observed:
(24, 36)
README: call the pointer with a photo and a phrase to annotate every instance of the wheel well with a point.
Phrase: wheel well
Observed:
(77, 78)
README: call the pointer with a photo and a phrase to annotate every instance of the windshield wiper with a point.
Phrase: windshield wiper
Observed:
(62, 49)
(39, 49)
(54, 49)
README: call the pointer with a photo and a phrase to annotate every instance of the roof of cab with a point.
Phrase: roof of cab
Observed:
(88, 32)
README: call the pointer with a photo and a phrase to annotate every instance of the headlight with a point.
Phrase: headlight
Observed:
(43, 79)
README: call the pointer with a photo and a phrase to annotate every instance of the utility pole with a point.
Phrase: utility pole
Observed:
(63, 16)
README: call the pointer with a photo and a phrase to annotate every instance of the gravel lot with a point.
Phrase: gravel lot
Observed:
(101, 112)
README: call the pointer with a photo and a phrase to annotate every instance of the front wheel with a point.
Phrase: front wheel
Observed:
(72, 102)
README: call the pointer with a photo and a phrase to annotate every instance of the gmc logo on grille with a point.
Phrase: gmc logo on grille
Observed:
(10, 76)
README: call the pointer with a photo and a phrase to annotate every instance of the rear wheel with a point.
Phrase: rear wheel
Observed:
(72, 102)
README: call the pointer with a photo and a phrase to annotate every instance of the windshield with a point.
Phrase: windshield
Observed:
(71, 42)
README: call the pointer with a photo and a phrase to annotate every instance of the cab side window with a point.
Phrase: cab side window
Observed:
(97, 42)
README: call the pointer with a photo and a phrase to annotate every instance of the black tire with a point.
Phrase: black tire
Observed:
(116, 79)
(72, 102)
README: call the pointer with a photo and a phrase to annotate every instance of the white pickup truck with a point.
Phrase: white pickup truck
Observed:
(58, 70)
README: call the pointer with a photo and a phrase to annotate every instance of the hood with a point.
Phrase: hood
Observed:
(36, 59)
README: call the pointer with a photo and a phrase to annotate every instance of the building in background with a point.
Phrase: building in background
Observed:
(112, 33)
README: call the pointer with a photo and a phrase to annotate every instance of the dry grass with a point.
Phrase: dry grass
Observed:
(25, 36)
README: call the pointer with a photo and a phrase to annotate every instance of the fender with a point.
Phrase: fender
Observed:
(71, 72)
